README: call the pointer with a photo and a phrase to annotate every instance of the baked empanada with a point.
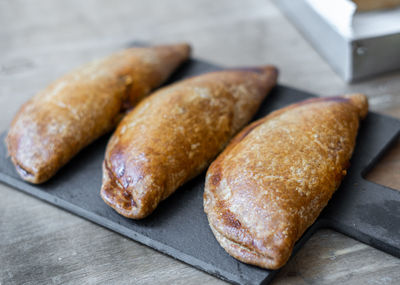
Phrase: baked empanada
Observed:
(275, 177)
(81, 106)
(173, 135)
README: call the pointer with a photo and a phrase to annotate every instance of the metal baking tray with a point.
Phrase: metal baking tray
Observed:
(361, 209)
(353, 57)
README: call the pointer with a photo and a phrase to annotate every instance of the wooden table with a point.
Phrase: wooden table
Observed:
(41, 40)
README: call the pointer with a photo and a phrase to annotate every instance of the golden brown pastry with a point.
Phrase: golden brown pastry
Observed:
(81, 106)
(172, 136)
(275, 177)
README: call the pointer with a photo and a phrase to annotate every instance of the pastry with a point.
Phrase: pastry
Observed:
(173, 135)
(275, 177)
(81, 106)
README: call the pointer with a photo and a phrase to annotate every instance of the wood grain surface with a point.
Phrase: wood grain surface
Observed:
(41, 40)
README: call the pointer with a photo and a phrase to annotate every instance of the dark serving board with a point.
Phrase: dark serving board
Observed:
(179, 228)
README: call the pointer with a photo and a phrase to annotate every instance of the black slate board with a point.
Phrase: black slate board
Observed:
(179, 228)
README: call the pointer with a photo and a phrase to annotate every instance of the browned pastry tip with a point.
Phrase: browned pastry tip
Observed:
(84, 104)
(270, 72)
(184, 49)
(172, 135)
(115, 195)
(275, 177)
(360, 101)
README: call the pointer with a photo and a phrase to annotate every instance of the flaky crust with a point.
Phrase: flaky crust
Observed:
(174, 134)
(275, 177)
(81, 106)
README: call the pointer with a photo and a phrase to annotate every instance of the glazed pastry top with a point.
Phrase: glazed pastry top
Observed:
(81, 106)
(173, 135)
(276, 176)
